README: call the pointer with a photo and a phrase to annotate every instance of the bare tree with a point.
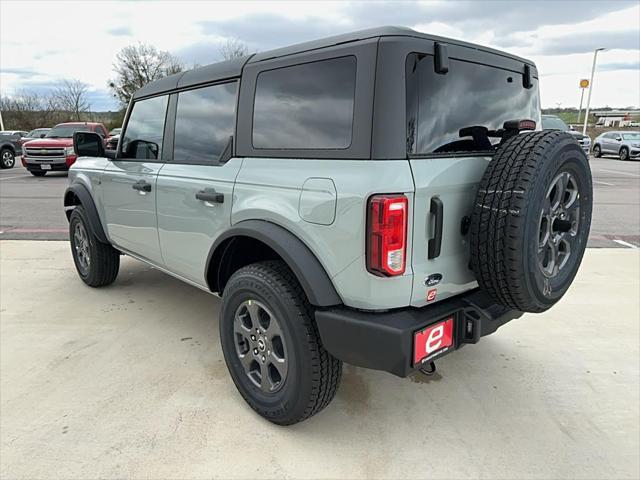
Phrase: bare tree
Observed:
(137, 65)
(72, 97)
(26, 109)
(233, 48)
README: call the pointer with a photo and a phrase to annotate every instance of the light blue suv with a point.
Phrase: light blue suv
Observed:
(380, 198)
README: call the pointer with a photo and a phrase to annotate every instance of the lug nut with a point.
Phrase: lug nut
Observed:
(263, 358)
(255, 351)
(253, 337)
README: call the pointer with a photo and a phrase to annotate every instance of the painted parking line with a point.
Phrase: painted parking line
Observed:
(624, 174)
(35, 230)
(9, 178)
(604, 183)
(626, 244)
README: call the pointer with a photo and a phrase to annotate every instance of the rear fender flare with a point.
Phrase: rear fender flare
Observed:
(312, 276)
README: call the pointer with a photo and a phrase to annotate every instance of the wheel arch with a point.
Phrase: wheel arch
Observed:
(78, 194)
(254, 240)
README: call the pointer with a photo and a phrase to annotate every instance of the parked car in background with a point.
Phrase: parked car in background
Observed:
(21, 133)
(36, 133)
(112, 142)
(115, 131)
(624, 144)
(10, 147)
(553, 122)
(55, 152)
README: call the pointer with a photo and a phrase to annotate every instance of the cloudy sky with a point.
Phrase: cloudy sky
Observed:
(42, 43)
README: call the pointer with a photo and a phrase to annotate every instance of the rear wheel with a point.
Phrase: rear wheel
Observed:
(624, 153)
(531, 220)
(37, 173)
(597, 152)
(97, 263)
(7, 158)
(272, 347)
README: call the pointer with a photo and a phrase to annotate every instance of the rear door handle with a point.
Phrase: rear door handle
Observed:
(210, 195)
(435, 243)
(141, 186)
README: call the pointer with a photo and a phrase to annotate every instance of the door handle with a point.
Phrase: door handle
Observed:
(141, 186)
(435, 243)
(210, 195)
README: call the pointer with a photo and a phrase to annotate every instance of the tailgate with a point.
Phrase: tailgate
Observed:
(452, 184)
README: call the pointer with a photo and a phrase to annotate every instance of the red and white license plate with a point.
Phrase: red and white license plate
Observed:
(432, 341)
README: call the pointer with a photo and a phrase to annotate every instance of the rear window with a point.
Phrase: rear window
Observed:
(470, 94)
(307, 106)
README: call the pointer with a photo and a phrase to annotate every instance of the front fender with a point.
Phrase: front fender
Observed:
(81, 193)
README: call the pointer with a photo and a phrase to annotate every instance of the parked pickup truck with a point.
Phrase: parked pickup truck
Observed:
(380, 198)
(54, 152)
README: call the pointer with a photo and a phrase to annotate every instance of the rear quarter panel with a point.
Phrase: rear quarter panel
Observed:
(271, 188)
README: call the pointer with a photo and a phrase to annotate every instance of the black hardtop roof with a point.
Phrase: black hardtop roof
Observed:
(233, 68)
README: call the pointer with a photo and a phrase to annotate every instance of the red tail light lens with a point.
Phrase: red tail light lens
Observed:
(387, 234)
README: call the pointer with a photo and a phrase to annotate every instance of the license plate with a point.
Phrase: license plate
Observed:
(45, 166)
(432, 341)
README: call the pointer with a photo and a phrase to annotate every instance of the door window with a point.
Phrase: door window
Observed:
(142, 139)
(205, 121)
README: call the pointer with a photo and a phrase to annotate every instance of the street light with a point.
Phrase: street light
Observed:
(593, 70)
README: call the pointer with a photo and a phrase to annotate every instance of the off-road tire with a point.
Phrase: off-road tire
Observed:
(508, 213)
(624, 154)
(597, 151)
(104, 259)
(10, 159)
(313, 374)
(37, 173)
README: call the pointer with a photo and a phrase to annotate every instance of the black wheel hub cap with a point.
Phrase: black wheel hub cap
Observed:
(260, 346)
(559, 224)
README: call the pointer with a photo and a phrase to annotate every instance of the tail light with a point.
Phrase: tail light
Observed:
(387, 234)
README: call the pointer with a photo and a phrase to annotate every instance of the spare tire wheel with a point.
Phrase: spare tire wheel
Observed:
(531, 220)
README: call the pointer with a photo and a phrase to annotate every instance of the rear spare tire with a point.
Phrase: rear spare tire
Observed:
(531, 220)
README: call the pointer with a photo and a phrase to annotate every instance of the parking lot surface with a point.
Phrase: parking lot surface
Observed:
(32, 207)
(129, 381)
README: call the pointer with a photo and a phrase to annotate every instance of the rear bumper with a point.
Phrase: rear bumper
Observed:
(385, 341)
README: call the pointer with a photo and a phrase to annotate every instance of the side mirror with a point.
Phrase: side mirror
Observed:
(571, 127)
(619, 139)
(88, 144)
(42, 135)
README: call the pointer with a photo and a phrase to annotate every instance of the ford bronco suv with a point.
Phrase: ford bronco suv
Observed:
(380, 198)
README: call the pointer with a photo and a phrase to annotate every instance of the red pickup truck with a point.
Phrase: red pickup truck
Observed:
(55, 152)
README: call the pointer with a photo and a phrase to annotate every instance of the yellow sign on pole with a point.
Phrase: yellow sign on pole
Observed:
(584, 83)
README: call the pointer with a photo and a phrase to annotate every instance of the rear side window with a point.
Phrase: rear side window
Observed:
(205, 120)
(440, 106)
(307, 106)
(142, 139)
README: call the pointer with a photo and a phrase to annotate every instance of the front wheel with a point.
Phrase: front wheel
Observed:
(624, 154)
(7, 158)
(97, 263)
(272, 347)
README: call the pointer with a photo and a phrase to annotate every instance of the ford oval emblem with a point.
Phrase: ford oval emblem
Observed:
(433, 279)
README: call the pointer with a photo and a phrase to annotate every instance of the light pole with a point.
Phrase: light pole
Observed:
(593, 70)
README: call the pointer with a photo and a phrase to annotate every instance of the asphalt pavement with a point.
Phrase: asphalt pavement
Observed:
(31, 207)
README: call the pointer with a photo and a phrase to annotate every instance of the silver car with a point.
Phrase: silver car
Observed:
(624, 144)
